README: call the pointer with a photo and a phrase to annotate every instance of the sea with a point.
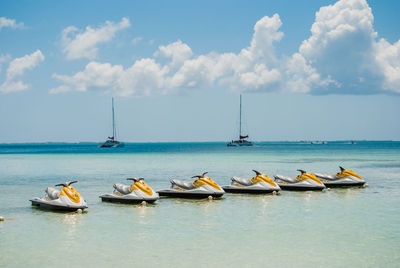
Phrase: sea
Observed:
(351, 227)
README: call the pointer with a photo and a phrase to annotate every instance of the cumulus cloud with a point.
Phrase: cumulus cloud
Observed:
(95, 75)
(11, 23)
(388, 58)
(16, 69)
(253, 67)
(341, 56)
(341, 51)
(178, 52)
(142, 78)
(83, 44)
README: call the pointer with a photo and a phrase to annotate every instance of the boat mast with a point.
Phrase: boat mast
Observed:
(240, 117)
(113, 122)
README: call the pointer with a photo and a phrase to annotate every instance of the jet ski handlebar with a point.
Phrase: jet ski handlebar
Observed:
(302, 171)
(135, 179)
(341, 169)
(257, 173)
(200, 175)
(66, 184)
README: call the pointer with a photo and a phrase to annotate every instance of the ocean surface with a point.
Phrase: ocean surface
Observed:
(353, 227)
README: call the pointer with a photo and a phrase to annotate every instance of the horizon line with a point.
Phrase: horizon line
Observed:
(143, 142)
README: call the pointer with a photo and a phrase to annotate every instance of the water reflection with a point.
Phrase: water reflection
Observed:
(72, 218)
(349, 193)
(307, 196)
(143, 212)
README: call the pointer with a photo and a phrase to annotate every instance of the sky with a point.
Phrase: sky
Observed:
(307, 70)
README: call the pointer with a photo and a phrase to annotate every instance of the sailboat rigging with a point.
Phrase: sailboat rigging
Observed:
(112, 141)
(242, 138)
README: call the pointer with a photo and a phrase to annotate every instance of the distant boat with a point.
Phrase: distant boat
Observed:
(242, 138)
(112, 142)
(319, 142)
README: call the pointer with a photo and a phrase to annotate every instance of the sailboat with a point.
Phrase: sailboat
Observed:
(242, 138)
(112, 142)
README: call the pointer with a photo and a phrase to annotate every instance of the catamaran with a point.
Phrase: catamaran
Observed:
(242, 138)
(112, 142)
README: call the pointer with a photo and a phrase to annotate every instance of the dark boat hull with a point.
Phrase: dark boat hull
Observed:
(343, 185)
(300, 188)
(188, 195)
(248, 191)
(115, 145)
(125, 200)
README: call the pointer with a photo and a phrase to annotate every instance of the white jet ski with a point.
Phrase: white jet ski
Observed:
(344, 178)
(203, 187)
(67, 199)
(260, 184)
(303, 182)
(138, 192)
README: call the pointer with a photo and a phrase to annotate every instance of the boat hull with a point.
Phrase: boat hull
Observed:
(111, 145)
(237, 190)
(189, 195)
(125, 200)
(301, 188)
(49, 206)
(239, 143)
(342, 185)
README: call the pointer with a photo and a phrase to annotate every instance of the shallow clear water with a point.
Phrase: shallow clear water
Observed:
(336, 228)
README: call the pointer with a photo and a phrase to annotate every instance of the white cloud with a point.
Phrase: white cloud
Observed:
(16, 69)
(341, 56)
(95, 75)
(83, 44)
(4, 22)
(144, 77)
(388, 59)
(249, 69)
(346, 18)
(254, 67)
(177, 51)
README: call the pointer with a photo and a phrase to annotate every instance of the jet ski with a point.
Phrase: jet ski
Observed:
(202, 187)
(67, 199)
(303, 182)
(260, 184)
(138, 192)
(344, 178)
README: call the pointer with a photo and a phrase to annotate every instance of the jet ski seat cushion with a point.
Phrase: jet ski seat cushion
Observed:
(245, 182)
(52, 193)
(325, 176)
(284, 178)
(123, 189)
(182, 184)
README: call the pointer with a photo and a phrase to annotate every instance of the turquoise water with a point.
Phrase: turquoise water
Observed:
(357, 227)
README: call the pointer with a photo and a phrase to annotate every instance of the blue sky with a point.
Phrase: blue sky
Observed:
(308, 70)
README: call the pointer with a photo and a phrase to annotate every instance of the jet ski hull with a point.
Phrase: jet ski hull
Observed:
(243, 190)
(51, 206)
(189, 195)
(339, 184)
(124, 200)
(301, 188)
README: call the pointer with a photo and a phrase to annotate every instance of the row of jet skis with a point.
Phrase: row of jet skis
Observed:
(69, 199)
